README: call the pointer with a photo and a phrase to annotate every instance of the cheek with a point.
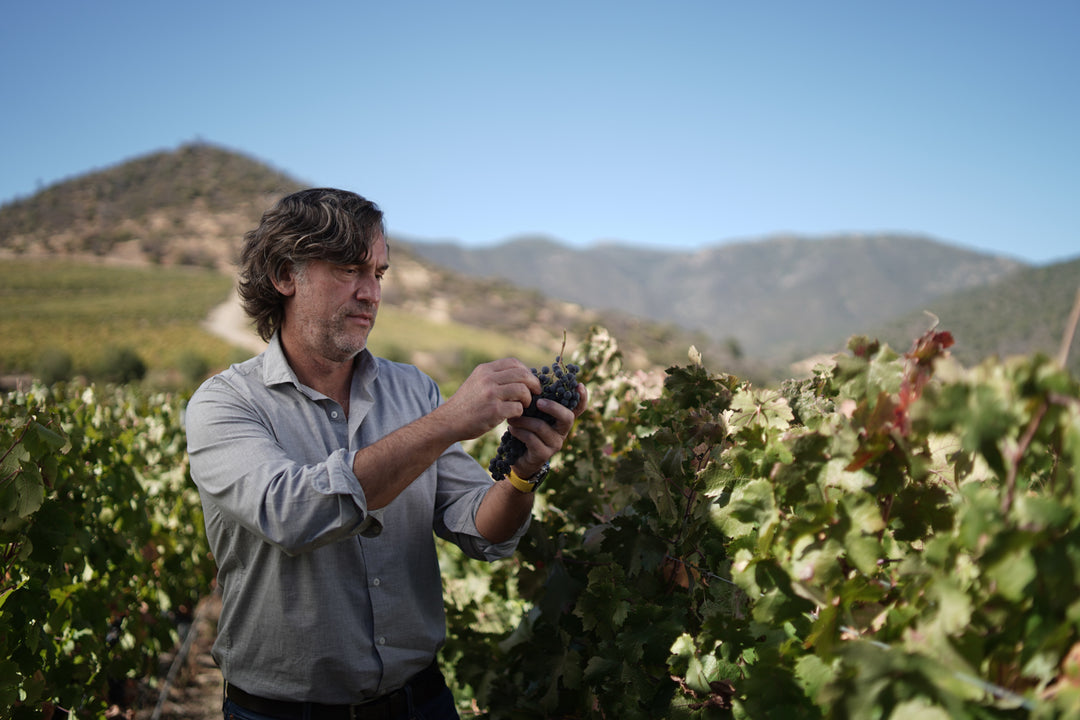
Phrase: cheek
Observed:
(316, 307)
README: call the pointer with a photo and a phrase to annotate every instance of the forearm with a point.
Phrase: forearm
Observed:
(503, 511)
(492, 393)
(385, 468)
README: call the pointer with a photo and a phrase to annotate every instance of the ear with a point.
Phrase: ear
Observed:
(285, 280)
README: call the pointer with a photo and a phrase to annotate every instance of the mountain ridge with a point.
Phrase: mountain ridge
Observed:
(777, 297)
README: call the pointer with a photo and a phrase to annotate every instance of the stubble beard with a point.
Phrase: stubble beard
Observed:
(341, 342)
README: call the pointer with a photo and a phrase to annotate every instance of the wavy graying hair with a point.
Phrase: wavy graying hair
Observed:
(337, 226)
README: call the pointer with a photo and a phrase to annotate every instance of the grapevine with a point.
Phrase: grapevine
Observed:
(102, 552)
(889, 537)
(557, 382)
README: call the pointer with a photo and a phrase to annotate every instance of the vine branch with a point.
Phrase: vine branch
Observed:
(1014, 465)
(1070, 330)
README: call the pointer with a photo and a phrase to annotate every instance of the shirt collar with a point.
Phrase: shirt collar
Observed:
(276, 368)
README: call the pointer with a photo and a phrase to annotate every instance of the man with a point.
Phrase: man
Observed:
(323, 472)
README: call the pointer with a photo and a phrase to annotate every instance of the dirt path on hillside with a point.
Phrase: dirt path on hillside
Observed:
(230, 323)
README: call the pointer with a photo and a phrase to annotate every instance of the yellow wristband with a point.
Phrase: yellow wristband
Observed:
(520, 483)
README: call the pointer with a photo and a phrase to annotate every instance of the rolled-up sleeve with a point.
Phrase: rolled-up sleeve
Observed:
(462, 487)
(243, 469)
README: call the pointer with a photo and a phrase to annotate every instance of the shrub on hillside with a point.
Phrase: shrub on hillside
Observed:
(53, 365)
(120, 365)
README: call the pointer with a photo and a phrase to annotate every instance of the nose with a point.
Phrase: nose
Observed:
(369, 289)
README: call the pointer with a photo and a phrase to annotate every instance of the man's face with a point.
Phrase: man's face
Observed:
(333, 308)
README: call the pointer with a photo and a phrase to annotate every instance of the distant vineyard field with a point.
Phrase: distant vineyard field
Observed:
(84, 309)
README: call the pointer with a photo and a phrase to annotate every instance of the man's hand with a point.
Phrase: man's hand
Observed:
(493, 392)
(542, 440)
(504, 508)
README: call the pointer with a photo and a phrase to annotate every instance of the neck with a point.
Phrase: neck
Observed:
(330, 377)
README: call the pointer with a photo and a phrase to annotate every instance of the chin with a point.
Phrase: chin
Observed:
(352, 349)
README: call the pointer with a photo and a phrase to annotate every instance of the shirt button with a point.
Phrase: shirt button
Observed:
(382, 641)
(333, 414)
(376, 582)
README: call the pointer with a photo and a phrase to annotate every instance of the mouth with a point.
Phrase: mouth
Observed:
(361, 315)
(362, 319)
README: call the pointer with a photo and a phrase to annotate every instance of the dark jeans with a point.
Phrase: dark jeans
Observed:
(440, 707)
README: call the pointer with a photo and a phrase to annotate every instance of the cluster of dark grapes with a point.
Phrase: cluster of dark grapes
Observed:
(558, 383)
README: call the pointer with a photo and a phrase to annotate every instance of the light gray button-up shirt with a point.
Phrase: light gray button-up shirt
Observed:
(323, 600)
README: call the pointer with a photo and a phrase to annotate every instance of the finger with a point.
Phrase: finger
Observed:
(518, 373)
(547, 434)
(514, 393)
(583, 400)
(550, 436)
(563, 416)
(504, 363)
(540, 442)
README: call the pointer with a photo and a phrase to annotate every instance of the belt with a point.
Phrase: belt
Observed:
(423, 686)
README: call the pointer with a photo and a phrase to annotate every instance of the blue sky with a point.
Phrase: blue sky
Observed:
(662, 124)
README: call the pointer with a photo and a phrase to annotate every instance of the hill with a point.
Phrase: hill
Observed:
(775, 298)
(189, 207)
(1022, 313)
(192, 205)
